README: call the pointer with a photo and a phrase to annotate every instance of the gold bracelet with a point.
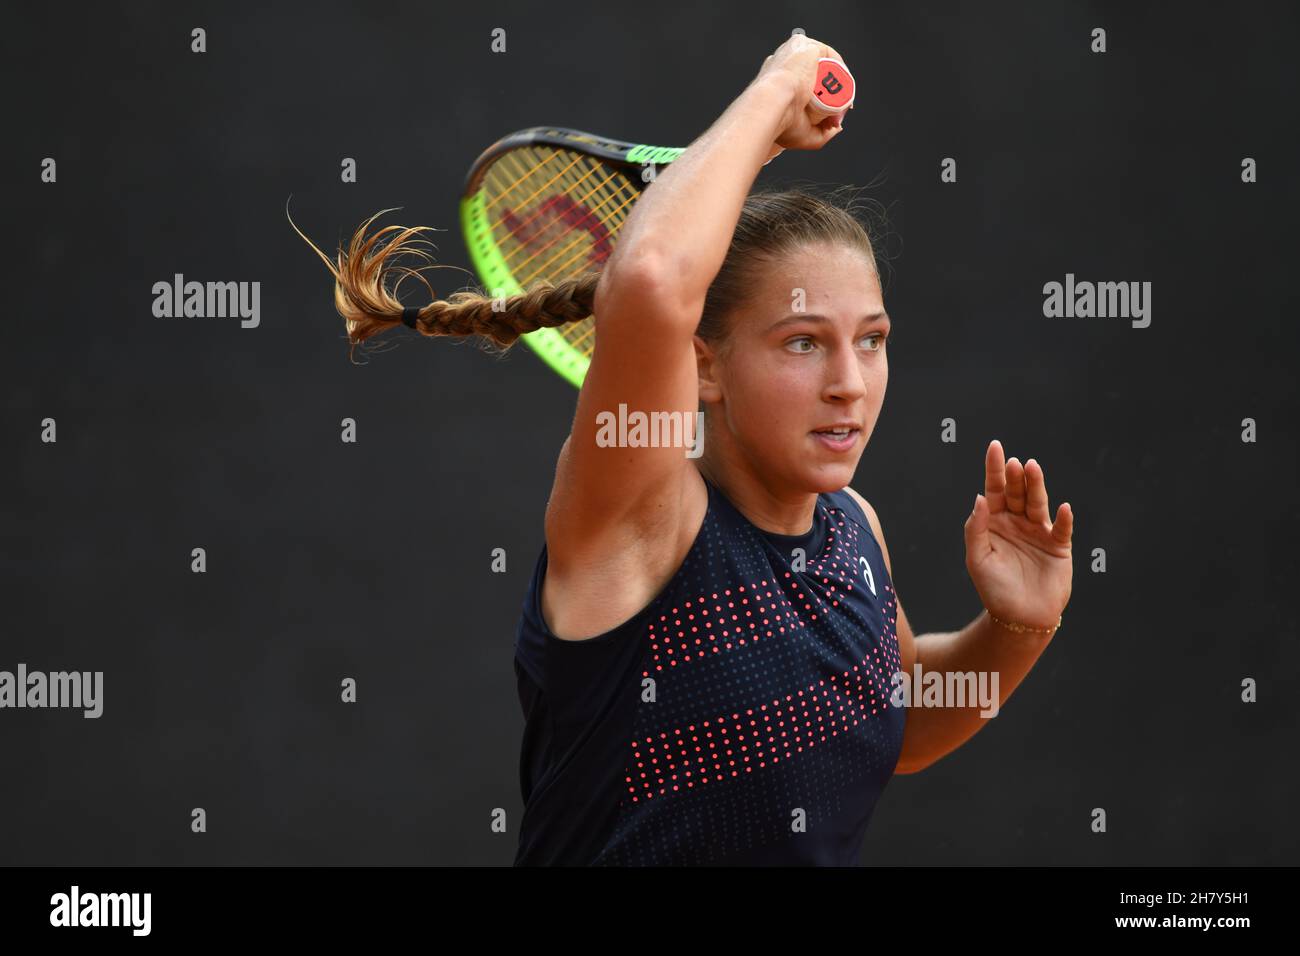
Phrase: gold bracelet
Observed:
(1021, 628)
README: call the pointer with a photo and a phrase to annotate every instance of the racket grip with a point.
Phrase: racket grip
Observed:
(834, 89)
(832, 95)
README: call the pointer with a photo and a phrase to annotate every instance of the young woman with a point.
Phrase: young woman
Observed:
(707, 653)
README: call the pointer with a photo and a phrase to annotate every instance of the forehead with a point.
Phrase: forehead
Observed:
(832, 276)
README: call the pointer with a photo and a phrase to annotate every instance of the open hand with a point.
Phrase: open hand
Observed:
(1018, 558)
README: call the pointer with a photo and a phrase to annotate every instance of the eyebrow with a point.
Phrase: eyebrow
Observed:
(817, 317)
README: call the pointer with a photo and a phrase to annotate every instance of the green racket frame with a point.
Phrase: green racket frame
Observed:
(476, 227)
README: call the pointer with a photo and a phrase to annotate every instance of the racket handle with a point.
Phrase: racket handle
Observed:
(834, 90)
(832, 94)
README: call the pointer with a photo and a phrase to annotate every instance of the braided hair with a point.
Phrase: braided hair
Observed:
(771, 224)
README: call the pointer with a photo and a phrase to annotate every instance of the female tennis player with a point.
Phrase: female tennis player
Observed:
(709, 647)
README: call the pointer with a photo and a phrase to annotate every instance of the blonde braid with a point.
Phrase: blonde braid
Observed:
(546, 306)
(362, 297)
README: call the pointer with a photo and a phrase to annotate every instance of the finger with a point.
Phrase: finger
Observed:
(995, 478)
(1036, 508)
(976, 532)
(830, 126)
(1063, 529)
(1015, 486)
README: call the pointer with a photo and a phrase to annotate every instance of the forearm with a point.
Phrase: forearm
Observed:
(688, 215)
(982, 647)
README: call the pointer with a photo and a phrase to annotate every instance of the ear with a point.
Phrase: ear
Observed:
(706, 360)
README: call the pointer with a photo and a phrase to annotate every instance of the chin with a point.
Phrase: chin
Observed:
(831, 477)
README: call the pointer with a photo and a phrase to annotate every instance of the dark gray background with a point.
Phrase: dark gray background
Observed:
(372, 560)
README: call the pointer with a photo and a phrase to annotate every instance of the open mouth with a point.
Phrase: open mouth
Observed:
(838, 439)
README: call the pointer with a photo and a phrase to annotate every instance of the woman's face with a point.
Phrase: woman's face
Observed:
(793, 368)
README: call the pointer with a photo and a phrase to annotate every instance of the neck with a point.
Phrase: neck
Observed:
(770, 507)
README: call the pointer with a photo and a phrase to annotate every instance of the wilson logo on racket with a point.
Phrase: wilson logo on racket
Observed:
(542, 226)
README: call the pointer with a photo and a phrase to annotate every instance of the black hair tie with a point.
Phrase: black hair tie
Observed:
(409, 315)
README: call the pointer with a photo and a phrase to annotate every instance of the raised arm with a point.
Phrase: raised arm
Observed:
(650, 298)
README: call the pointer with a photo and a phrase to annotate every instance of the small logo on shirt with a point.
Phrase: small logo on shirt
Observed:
(866, 573)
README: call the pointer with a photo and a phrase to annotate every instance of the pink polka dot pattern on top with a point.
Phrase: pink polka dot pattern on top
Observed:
(753, 703)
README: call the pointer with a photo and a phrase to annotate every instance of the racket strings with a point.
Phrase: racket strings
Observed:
(549, 267)
(580, 335)
(529, 175)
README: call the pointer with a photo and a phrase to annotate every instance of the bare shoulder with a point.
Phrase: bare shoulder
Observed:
(874, 519)
(866, 506)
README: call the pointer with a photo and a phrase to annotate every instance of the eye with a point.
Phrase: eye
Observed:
(879, 337)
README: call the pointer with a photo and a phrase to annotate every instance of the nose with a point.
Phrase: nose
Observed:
(844, 379)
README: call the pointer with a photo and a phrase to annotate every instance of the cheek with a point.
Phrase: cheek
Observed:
(773, 398)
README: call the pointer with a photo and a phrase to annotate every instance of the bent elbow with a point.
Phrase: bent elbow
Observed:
(645, 286)
(906, 765)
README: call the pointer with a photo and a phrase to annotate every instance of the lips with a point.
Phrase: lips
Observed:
(840, 441)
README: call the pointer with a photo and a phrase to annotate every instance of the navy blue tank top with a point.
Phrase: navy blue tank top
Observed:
(741, 718)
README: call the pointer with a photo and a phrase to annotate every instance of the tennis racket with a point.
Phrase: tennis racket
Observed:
(547, 203)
